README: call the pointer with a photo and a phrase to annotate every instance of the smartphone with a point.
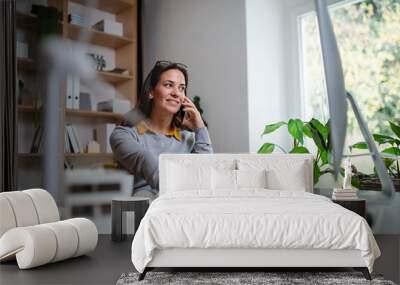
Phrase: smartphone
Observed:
(181, 113)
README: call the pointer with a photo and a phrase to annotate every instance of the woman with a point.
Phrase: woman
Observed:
(168, 113)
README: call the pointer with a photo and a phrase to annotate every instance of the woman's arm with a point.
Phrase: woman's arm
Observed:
(202, 142)
(133, 156)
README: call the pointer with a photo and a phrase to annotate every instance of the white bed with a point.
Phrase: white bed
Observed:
(241, 210)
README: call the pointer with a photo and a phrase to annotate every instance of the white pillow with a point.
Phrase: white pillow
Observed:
(282, 174)
(182, 177)
(226, 179)
(223, 179)
(251, 178)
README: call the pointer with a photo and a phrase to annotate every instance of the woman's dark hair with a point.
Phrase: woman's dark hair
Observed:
(145, 104)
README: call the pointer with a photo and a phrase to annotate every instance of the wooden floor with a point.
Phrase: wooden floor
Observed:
(110, 259)
(103, 266)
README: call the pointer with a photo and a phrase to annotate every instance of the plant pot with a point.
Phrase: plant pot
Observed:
(370, 182)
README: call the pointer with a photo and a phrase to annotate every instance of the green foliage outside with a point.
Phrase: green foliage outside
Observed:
(368, 36)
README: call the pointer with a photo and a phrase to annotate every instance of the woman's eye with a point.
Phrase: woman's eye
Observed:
(182, 88)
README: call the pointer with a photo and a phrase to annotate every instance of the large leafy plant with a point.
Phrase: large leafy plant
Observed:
(391, 153)
(315, 130)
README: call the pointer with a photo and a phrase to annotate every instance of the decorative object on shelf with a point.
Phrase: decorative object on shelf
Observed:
(85, 101)
(99, 63)
(93, 147)
(347, 174)
(78, 20)
(117, 70)
(391, 157)
(114, 105)
(109, 27)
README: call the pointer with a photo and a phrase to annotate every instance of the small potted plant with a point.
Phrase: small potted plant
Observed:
(390, 155)
(317, 131)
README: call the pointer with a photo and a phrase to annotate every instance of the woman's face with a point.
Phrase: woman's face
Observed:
(169, 92)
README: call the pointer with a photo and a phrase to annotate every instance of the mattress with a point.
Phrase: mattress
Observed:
(250, 219)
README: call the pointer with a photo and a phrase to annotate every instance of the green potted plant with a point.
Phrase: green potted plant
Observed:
(391, 157)
(317, 131)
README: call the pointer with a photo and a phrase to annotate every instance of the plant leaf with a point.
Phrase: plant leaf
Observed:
(266, 148)
(272, 127)
(299, 149)
(317, 173)
(388, 162)
(381, 139)
(324, 157)
(360, 145)
(318, 140)
(392, 150)
(323, 130)
(395, 128)
(295, 128)
(307, 130)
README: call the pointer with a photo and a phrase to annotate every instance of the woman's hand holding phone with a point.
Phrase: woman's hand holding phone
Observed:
(192, 118)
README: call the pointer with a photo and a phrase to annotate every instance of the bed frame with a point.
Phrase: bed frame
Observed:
(242, 259)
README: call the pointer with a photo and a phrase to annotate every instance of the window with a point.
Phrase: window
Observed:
(368, 37)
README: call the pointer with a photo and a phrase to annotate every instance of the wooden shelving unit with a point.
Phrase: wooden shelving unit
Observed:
(124, 48)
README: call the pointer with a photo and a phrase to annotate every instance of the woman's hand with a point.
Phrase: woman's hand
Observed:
(192, 119)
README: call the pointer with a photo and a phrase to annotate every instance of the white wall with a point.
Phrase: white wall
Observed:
(266, 70)
(210, 37)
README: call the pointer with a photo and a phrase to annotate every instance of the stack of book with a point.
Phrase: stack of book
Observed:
(344, 194)
(78, 20)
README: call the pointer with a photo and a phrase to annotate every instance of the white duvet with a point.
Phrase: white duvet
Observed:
(250, 219)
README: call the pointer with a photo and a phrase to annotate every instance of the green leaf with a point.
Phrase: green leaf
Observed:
(355, 181)
(324, 157)
(388, 162)
(318, 140)
(360, 145)
(295, 128)
(317, 173)
(307, 130)
(266, 148)
(299, 149)
(395, 128)
(381, 139)
(323, 130)
(392, 150)
(272, 127)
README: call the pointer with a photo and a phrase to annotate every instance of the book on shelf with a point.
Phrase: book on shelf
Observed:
(73, 95)
(344, 194)
(37, 140)
(72, 142)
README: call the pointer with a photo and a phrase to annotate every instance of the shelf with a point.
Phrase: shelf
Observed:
(95, 115)
(29, 155)
(28, 109)
(114, 78)
(111, 6)
(115, 117)
(97, 37)
(24, 63)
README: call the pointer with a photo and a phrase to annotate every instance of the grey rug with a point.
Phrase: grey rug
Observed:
(228, 278)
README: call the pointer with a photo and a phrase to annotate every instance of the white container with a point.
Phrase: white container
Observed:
(109, 27)
(115, 106)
